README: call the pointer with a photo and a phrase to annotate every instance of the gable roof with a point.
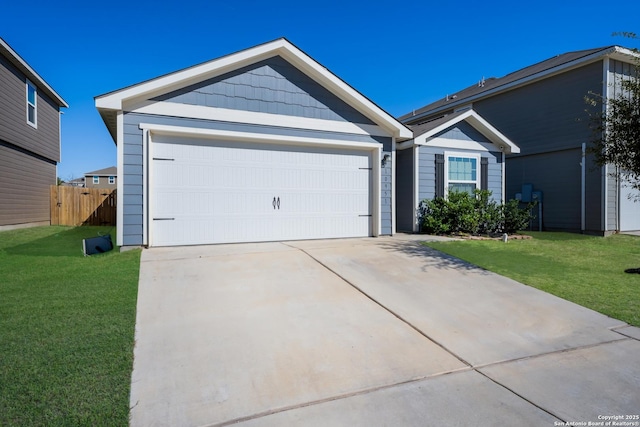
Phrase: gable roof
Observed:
(26, 69)
(111, 171)
(429, 129)
(543, 69)
(110, 103)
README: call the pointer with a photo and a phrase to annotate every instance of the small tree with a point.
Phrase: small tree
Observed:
(617, 127)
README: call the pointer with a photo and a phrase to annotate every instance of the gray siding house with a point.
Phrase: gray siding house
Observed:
(264, 144)
(29, 141)
(102, 178)
(460, 151)
(541, 108)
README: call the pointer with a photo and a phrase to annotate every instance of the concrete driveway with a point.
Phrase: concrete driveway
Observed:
(366, 332)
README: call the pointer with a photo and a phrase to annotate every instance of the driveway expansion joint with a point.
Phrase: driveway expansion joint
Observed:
(337, 397)
(386, 308)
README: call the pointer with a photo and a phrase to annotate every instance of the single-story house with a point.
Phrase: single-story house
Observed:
(461, 152)
(29, 141)
(264, 144)
(541, 108)
(102, 178)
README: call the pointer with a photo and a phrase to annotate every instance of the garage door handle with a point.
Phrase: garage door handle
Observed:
(278, 203)
(274, 203)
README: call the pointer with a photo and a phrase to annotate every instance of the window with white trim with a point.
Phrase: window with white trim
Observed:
(112, 180)
(32, 104)
(462, 172)
(96, 179)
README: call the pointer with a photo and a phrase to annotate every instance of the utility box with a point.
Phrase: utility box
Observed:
(527, 192)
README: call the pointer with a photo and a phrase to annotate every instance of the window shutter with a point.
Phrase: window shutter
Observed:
(484, 173)
(439, 175)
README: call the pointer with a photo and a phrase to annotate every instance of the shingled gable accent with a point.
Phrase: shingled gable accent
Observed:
(109, 104)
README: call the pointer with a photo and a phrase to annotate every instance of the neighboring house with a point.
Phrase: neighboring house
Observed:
(460, 151)
(76, 182)
(103, 178)
(541, 108)
(29, 141)
(264, 144)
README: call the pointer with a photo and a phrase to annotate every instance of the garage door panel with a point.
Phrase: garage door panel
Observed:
(223, 192)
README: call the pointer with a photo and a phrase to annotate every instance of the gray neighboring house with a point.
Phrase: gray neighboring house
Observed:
(29, 141)
(102, 178)
(541, 108)
(460, 151)
(264, 144)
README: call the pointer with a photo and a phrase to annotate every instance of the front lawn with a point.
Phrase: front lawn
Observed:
(584, 269)
(66, 328)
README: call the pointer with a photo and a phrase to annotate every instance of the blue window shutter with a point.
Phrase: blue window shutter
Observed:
(484, 173)
(439, 191)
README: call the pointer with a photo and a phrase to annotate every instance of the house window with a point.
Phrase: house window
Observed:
(32, 103)
(112, 180)
(96, 179)
(462, 172)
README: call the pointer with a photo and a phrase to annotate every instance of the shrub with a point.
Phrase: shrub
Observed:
(433, 216)
(515, 218)
(462, 212)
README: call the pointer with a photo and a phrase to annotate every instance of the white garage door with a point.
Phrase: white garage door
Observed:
(205, 191)
(629, 209)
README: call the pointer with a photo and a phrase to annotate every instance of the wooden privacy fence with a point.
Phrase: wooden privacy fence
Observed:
(82, 206)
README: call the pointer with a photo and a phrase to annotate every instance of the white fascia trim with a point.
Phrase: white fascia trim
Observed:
(623, 54)
(340, 89)
(116, 100)
(149, 89)
(481, 125)
(405, 144)
(252, 117)
(228, 135)
(457, 144)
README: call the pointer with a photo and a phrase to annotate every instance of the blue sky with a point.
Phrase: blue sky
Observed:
(401, 55)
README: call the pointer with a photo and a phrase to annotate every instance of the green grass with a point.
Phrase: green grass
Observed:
(66, 329)
(584, 269)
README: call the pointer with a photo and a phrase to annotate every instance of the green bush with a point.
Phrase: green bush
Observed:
(516, 219)
(474, 213)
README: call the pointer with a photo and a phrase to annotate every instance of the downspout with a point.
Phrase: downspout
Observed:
(583, 187)
(145, 187)
(604, 193)
(393, 185)
(416, 186)
(504, 175)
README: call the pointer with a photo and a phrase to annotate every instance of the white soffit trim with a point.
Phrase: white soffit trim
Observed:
(267, 119)
(226, 135)
(179, 79)
(480, 124)
(623, 54)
